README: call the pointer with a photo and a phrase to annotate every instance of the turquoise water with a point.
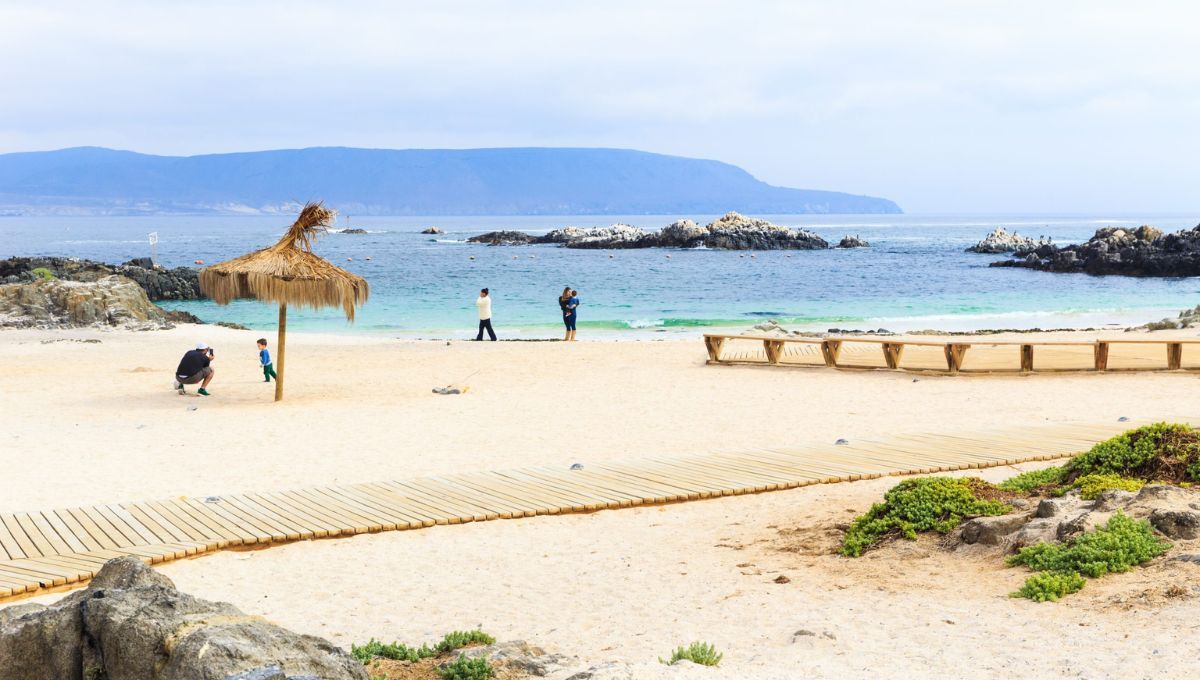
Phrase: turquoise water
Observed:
(915, 275)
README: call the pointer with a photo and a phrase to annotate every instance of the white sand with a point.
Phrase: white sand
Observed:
(86, 423)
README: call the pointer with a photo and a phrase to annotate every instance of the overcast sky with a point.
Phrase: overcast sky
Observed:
(941, 106)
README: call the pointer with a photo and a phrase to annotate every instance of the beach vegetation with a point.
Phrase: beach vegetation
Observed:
(1049, 586)
(1114, 548)
(452, 641)
(1090, 486)
(466, 668)
(920, 505)
(1162, 451)
(1034, 480)
(43, 273)
(702, 653)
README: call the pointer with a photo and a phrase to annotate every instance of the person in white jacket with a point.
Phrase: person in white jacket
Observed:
(484, 304)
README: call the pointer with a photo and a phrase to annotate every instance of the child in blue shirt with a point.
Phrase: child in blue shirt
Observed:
(264, 357)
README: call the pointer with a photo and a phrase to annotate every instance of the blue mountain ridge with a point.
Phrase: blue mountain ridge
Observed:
(499, 181)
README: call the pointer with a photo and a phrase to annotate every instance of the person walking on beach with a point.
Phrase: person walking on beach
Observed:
(264, 358)
(195, 367)
(569, 301)
(484, 304)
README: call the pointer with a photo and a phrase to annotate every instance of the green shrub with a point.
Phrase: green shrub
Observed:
(916, 505)
(1111, 549)
(1160, 451)
(1047, 586)
(1034, 480)
(464, 668)
(461, 638)
(697, 652)
(1090, 486)
(43, 273)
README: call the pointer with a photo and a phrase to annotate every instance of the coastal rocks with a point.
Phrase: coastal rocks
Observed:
(160, 283)
(1172, 511)
(131, 623)
(1003, 241)
(353, 231)
(113, 301)
(503, 238)
(852, 242)
(1145, 251)
(432, 230)
(730, 232)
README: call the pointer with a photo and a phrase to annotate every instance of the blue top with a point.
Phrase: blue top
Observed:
(264, 356)
(572, 304)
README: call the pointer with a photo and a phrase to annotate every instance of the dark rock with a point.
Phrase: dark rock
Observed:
(1145, 251)
(1177, 524)
(503, 238)
(143, 262)
(160, 283)
(180, 316)
(131, 623)
(353, 231)
(432, 230)
(852, 242)
(234, 326)
(992, 530)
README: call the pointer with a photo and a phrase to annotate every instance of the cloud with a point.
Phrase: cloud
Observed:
(942, 106)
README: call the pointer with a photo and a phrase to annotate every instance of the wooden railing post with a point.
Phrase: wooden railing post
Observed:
(1101, 354)
(830, 350)
(773, 348)
(1026, 357)
(713, 345)
(1174, 356)
(892, 352)
(954, 355)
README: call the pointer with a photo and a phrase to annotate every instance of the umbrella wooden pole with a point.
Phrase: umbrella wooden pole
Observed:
(280, 343)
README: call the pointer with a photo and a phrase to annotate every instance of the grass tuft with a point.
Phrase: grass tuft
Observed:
(1090, 486)
(702, 653)
(1034, 480)
(1048, 586)
(454, 640)
(465, 668)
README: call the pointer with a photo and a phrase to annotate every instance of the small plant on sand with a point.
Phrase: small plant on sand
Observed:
(1034, 480)
(1114, 548)
(921, 504)
(698, 652)
(465, 668)
(1169, 452)
(1048, 586)
(462, 638)
(43, 273)
(1090, 486)
(374, 649)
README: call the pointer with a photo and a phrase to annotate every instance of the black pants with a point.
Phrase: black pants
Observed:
(486, 323)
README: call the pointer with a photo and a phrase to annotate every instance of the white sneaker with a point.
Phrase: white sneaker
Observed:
(179, 387)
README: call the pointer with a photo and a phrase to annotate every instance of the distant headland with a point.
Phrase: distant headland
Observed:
(500, 181)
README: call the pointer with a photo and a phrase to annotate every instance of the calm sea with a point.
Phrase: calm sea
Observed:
(915, 274)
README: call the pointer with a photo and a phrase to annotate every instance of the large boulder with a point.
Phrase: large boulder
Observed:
(852, 242)
(132, 624)
(503, 238)
(160, 283)
(737, 232)
(113, 301)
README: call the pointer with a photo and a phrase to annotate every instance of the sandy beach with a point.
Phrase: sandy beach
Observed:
(87, 422)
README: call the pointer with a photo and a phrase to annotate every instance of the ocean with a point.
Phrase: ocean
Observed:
(914, 276)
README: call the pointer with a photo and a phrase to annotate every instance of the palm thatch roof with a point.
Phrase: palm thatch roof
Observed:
(288, 273)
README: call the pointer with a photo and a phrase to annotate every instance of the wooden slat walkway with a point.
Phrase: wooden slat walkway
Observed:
(51, 548)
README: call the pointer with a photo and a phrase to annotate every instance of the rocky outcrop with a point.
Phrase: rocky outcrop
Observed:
(1172, 511)
(353, 231)
(504, 238)
(852, 242)
(1145, 251)
(113, 301)
(730, 232)
(160, 283)
(132, 624)
(432, 230)
(1002, 241)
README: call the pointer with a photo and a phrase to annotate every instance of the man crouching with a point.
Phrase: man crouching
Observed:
(195, 368)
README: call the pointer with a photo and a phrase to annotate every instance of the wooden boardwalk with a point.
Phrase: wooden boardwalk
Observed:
(51, 548)
(953, 357)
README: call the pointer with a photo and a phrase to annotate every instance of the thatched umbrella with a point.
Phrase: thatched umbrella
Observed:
(287, 273)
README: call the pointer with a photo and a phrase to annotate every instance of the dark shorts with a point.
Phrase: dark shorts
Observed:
(199, 377)
(569, 320)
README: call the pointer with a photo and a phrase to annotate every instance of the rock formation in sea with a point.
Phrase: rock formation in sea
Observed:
(353, 231)
(730, 232)
(1145, 251)
(432, 230)
(1002, 241)
(131, 622)
(160, 283)
(113, 301)
(852, 242)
